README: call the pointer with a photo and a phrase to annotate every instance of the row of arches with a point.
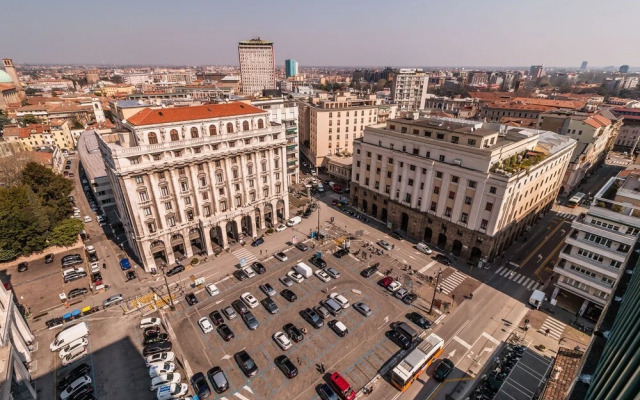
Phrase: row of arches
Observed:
(174, 136)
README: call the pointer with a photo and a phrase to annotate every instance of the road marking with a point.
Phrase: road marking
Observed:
(462, 342)
(451, 354)
(491, 338)
(386, 321)
(526, 282)
(541, 243)
(241, 397)
(506, 271)
(500, 270)
(426, 267)
(248, 389)
(521, 279)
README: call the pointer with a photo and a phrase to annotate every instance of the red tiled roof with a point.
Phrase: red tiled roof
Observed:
(6, 86)
(148, 116)
(597, 121)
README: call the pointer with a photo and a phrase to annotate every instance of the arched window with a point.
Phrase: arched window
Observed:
(212, 130)
(245, 126)
(153, 138)
(174, 135)
(194, 132)
(260, 124)
(229, 127)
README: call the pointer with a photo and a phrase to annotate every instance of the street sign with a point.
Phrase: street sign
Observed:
(243, 262)
(319, 254)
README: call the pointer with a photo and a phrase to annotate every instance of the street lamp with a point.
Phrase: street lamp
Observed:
(171, 306)
(435, 290)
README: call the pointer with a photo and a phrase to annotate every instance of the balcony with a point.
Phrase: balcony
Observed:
(590, 246)
(583, 293)
(609, 234)
(590, 264)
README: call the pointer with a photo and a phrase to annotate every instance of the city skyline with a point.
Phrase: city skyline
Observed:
(464, 34)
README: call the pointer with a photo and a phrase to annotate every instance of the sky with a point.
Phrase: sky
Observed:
(324, 33)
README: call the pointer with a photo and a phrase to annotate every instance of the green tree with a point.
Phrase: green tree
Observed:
(52, 189)
(4, 120)
(66, 232)
(24, 223)
(29, 119)
(77, 124)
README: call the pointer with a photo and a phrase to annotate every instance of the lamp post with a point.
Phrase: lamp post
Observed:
(171, 306)
(318, 232)
(435, 290)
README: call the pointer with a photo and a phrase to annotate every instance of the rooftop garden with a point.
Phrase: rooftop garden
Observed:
(518, 162)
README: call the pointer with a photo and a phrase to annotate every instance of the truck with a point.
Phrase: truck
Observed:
(303, 269)
(68, 335)
(91, 253)
(536, 299)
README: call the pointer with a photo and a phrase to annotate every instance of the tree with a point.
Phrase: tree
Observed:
(52, 189)
(4, 120)
(66, 232)
(24, 223)
(77, 124)
(29, 119)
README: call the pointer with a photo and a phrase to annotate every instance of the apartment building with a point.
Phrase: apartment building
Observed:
(409, 88)
(599, 245)
(627, 139)
(329, 124)
(469, 188)
(35, 136)
(257, 66)
(196, 179)
(95, 170)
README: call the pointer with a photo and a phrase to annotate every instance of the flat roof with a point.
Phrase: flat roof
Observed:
(90, 155)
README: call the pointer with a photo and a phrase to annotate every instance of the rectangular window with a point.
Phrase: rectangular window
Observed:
(164, 191)
(407, 198)
(454, 179)
(464, 217)
(203, 181)
(454, 139)
(471, 142)
(472, 184)
(467, 200)
(139, 179)
(436, 189)
(152, 227)
(388, 174)
(447, 212)
(452, 195)
(207, 211)
(488, 206)
(184, 185)
(171, 221)
(167, 206)
(493, 190)
(223, 205)
(440, 136)
(143, 196)
(147, 211)
(219, 177)
(187, 200)
(410, 182)
(484, 224)
(442, 158)
(434, 206)
(412, 167)
(438, 174)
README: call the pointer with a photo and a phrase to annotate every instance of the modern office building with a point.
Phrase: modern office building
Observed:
(291, 67)
(196, 179)
(469, 188)
(257, 66)
(535, 71)
(583, 66)
(598, 246)
(409, 89)
(623, 69)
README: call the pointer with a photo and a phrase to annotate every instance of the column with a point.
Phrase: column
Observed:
(214, 190)
(261, 210)
(188, 251)
(223, 233)
(195, 185)
(22, 375)
(206, 237)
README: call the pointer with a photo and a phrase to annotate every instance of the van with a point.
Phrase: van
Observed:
(404, 328)
(294, 221)
(423, 248)
(536, 299)
(303, 269)
(342, 386)
(333, 307)
(69, 335)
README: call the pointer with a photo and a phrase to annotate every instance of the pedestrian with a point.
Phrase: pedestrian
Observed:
(322, 368)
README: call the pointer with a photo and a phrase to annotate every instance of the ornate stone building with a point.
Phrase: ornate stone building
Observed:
(196, 179)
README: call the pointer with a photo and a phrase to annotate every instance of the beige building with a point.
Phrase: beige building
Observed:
(193, 179)
(120, 89)
(34, 136)
(328, 125)
(466, 187)
(257, 66)
(409, 89)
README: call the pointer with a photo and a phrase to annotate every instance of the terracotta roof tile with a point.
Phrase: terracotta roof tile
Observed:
(148, 116)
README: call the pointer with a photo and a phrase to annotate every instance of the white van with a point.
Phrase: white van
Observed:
(69, 335)
(173, 391)
(303, 269)
(424, 248)
(294, 221)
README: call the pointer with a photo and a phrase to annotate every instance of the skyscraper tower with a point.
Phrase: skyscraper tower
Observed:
(583, 66)
(535, 71)
(291, 67)
(257, 66)
(623, 69)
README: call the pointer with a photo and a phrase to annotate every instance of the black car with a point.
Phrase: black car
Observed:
(326, 392)
(286, 366)
(257, 242)
(200, 385)
(23, 266)
(240, 275)
(240, 307)
(225, 332)
(312, 317)
(48, 259)
(307, 213)
(74, 276)
(396, 235)
(301, 246)
(130, 275)
(159, 347)
(71, 257)
(218, 379)
(410, 298)
(96, 277)
(289, 295)
(258, 267)
(191, 299)
(293, 332)
(77, 372)
(419, 320)
(443, 369)
(152, 331)
(77, 292)
(317, 261)
(270, 305)
(442, 259)
(367, 272)
(216, 317)
(399, 338)
(341, 253)
(246, 363)
(160, 337)
(175, 270)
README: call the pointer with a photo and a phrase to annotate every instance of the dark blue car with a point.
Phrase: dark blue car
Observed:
(200, 385)
(125, 264)
(257, 242)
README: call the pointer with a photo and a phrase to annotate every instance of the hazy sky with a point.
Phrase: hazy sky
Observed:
(328, 32)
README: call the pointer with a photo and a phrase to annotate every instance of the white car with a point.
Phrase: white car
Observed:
(249, 300)
(75, 386)
(71, 347)
(159, 358)
(159, 369)
(79, 354)
(205, 324)
(393, 286)
(332, 272)
(249, 272)
(294, 276)
(281, 256)
(173, 391)
(149, 322)
(281, 227)
(212, 289)
(95, 267)
(87, 219)
(323, 276)
(165, 379)
(282, 339)
(340, 299)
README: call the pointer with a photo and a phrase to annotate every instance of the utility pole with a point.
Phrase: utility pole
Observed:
(171, 306)
(318, 232)
(435, 290)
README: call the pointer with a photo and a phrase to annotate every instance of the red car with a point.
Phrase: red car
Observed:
(334, 202)
(342, 386)
(386, 281)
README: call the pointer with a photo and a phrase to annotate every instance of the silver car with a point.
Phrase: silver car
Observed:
(229, 312)
(115, 299)
(385, 245)
(362, 308)
(250, 320)
(286, 281)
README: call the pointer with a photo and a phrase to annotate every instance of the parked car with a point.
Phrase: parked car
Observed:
(424, 248)
(410, 298)
(443, 369)
(259, 267)
(323, 276)
(393, 286)
(332, 272)
(191, 299)
(205, 324)
(317, 261)
(125, 264)
(240, 307)
(175, 270)
(442, 259)
(419, 320)
(160, 347)
(212, 289)
(399, 338)
(281, 256)
(48, 259)
(344, 303)
(218, 379)
(74, 387)
(130, 275)
(246, 363)
(326, 392)
(77, 292)
(250, 320)
(301, 246)
(225, 332)
(385, 245)
(23, 266)
(322, 311)
(312, 317)
(115, 299)
(270, 305)
(294, 276)
(396, 235)
(159, 358)
(281, 227)
(249, 300)
(362, 308)
(285, 280)
(400, 293)
(249, 272)
(216, 317)
(341, 253)
(286, 366)
(289, 295)
(385, 282)
(160, 337)
(268, 289)
(240, 275)
(367, 272)
(294, 333)
(165, 379)
(229, 312)
(79, 371)
(149, 322)
(282, 340)
(200, 385)
(338, 327)
(257, 242)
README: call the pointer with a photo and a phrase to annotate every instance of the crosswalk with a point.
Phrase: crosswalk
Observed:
(555, 327)
(518, 278)
(618, 162)
(247, 392)
(452, 282)
(246, 254)
(567, 216)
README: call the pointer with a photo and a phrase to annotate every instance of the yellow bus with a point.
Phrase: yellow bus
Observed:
(416, 362)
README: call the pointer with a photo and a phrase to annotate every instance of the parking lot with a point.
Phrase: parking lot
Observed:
(358, 356)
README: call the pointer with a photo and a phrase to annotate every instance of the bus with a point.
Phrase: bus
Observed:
(575, 200)
(416, 362)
